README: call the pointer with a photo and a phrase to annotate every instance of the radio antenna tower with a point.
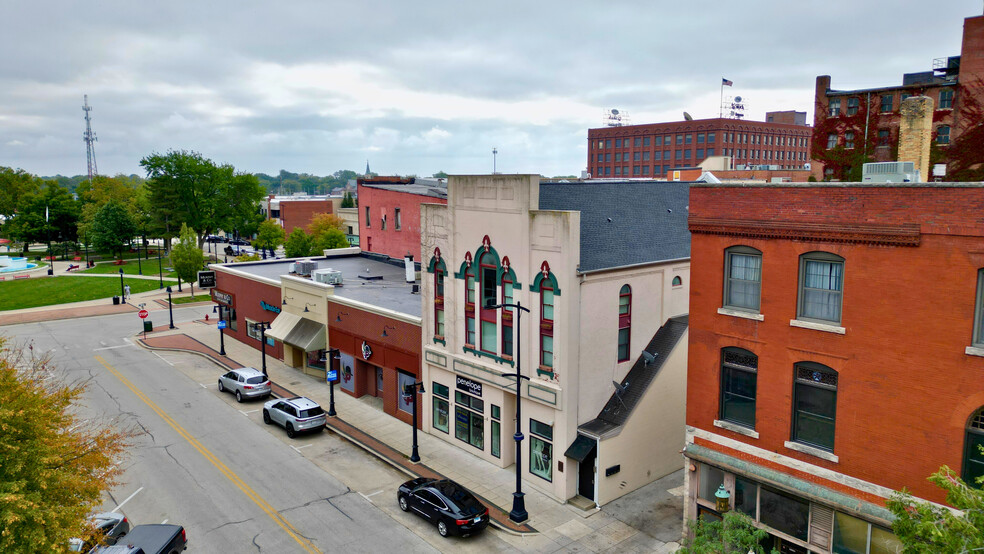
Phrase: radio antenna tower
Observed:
(90, 138)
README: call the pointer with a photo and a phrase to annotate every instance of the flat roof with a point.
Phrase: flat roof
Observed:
(390, 290)
(839, 184)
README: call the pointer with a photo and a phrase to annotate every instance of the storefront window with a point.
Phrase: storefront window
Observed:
(440, 393)
(253, 329)
(541, 458)
(746, 494)
(469, 424)
(405, 401)
(496, 432)
(316, 358)
(856, 535)
(710, 479)
(783, 512)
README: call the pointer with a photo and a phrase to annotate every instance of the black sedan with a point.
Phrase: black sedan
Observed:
(450, 506)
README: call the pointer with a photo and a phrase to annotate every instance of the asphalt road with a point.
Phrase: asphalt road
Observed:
(233, 483)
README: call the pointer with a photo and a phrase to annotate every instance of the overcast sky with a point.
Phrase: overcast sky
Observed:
(420, 87)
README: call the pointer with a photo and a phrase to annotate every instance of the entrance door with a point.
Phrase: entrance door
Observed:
(379, 381)
(586, 476)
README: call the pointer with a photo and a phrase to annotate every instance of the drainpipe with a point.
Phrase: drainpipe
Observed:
(867, 115)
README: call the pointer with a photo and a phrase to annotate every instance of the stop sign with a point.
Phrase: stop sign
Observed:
(143, 314)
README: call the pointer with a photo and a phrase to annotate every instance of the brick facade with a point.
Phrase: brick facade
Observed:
(400, 234)
(299, 213)
(253, 300)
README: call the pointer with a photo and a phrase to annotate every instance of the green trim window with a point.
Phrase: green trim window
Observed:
(469, 423)
(496, 432)
(887, 102)
(739, 376)
(487, 271)
(469, 308)
(743, 278)
(546, 326)
(439, 273)
(624, 322)
(943, 135)
(946, 100)
(821, 287)
(857, 535)
(978, 339)
(441, 409)
(541, 450)
(814, 405)
(973, 461)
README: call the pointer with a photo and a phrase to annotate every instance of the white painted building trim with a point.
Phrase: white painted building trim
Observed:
(741, 313)
(806, 449)
(734, 428)
(825, 327)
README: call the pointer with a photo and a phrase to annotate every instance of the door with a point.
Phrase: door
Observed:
(586, 476)
(379, 382)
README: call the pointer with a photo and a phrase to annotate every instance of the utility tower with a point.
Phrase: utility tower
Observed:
(90, 138)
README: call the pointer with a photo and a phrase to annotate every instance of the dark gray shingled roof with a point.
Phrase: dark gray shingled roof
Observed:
(625, 223)
(617, 411)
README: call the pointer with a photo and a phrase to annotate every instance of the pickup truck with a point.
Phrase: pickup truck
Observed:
(149, 539)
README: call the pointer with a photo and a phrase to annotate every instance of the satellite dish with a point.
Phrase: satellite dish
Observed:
(737, 98)
(614, 111)
(687, 116)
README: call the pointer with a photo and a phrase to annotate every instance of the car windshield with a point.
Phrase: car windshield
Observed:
(311, 412)
(462, 498)
(256, 380)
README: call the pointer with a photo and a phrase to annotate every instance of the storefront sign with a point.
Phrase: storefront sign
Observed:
(366, 351)
(269, 307)
(469, 386)
(206, 279)
(222, 297)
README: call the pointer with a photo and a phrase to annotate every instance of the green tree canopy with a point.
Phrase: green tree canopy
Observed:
(441, 175)
(347, 200)
(270, 235)
(926, 528)
(735, 533)
(14, 186)
(48, 212)
(298, 244)
(113, 227)
(327, 240)
(54, 464)
(187, 257)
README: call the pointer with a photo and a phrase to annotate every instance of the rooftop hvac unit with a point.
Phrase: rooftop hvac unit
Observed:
(327, 276)
(889, 172)
(305, 268)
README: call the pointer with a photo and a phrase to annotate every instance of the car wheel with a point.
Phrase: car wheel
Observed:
(221, 388)
(266, 417)
(290, 431)
(442, 528)
(403, 504)
(239, 396)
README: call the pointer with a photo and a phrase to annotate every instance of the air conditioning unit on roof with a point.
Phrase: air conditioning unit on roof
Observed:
(327, 276)
(890, 172)
(305, 268)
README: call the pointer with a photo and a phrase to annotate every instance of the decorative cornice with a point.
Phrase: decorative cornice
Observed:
(906, 234)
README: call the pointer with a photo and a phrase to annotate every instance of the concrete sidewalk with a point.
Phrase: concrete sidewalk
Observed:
(647, 520)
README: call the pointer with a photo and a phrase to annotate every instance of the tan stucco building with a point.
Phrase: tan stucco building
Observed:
(603, 269)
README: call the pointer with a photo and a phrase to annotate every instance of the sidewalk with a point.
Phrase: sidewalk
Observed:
(553, 526)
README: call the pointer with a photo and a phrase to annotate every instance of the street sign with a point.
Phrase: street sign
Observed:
(143, 314)
(331, 375)
(206, 279)
(222, 324)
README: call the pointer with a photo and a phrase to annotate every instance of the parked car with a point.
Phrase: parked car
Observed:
(239, 242)
(109, 527)
(453, 508)
(245, 382)
(295, 415)
(150, 539)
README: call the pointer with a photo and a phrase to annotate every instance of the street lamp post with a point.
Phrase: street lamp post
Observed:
(122, 290)
(221, 334)
(160, 269)
(170, 312)
(139, 265)
(333, 354)
(264, 325)
(518, 513)
(411, 389)
(85, 241)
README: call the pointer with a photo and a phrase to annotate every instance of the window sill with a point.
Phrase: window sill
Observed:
(440, 340)
(544, 370)
(825, 327)
(735, 428)
(479, 353)
(741, 313)
(974, 351)
(812, 451)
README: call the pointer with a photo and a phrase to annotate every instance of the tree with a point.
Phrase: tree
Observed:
(14, 186)
(187, 188)
(270, 236)
(328, 240)
(187, 257)
(347, 200)
(441, 175)
(735, 533)
(926, 528)
(113, 228)
(55, 464)
(322, 222)
(298, 244)
(47, 213)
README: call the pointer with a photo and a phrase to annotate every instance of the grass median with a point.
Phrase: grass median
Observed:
(129, 268)
(48, 291)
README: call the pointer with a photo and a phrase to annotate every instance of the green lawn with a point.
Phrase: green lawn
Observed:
(190, 299)
(131, 268)
(47, 291)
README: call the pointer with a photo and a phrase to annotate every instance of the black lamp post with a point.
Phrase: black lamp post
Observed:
(518, 513)
(85, 241)
(160, 270)
(122, 290)
(139, 265)
(411, 389)
(333, 354)
(264, 325)
(170, 312)
(221, 334)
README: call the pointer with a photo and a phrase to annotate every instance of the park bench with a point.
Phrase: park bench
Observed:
(119, 262)
(77, 259)
(71, 267)
(22, 276)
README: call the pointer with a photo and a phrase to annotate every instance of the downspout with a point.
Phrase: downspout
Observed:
(867, 115)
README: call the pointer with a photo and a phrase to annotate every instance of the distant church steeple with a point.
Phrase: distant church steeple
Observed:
(367, 168)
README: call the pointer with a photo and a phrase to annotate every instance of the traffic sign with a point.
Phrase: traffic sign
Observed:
(331, 375)
(143, 314)
(222, 324)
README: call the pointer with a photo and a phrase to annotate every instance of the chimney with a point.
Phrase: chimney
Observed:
(915, 133)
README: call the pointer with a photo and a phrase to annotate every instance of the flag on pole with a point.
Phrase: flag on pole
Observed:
(46, 213)
(725, 82)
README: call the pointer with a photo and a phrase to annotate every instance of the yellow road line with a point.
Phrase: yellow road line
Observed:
(247, 490)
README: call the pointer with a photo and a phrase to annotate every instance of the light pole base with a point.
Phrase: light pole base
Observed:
(518, 513)
(414, 456)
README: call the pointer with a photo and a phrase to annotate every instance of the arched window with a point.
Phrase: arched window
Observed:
(624, 322)
(546, 324)
(469, 303)
(487, 268)
(814, 405)
(978, 339)
(821, 287)
(677, 281)
(739, 379)
(507, 313)
(440, 271)
(973, 461)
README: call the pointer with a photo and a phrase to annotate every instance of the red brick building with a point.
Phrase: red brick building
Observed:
(851, 127)
(836, 353)
(389, 213)
(297, 210)
(651, 150)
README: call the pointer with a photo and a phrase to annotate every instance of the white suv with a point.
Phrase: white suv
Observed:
(295, 415)
(245, 382)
